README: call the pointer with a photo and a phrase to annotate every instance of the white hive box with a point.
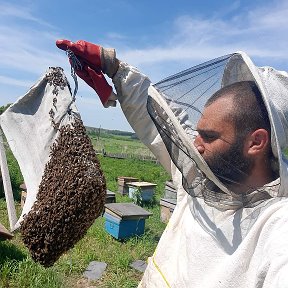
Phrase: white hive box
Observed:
(146, 189)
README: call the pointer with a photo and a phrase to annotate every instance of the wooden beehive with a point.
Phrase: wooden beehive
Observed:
(167, 207)
(110, 197)
(122, 184)
(170, 191)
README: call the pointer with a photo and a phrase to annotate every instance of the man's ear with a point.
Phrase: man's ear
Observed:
(257, 142)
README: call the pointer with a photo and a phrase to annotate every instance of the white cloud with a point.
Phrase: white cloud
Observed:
(270, 18)
(260, 32)
(115, 36)
(20, 49)
(15, 82)
(8, 10)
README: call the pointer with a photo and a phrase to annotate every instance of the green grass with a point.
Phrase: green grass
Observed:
(120, 144)
(26, 273)
(17, 269)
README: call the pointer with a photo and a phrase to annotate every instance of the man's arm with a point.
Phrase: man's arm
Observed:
(133, 89)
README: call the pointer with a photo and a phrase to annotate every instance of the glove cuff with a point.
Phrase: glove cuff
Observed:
(111, 101)
(109, 62)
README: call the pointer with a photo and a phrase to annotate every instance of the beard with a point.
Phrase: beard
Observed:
(231, 166)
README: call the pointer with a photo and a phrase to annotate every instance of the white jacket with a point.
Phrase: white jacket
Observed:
(204, 245)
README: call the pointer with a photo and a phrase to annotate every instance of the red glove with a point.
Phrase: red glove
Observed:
(97, 81)
(88, 52)
(93, 59)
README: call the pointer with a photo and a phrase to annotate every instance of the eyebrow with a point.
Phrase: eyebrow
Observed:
(207, 131)
(213, 133)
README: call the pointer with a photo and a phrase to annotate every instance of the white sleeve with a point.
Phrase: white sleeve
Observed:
(133, 89)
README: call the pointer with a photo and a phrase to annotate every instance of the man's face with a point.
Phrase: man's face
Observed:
(219, 144)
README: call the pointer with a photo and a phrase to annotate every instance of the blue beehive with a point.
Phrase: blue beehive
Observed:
(123, 220)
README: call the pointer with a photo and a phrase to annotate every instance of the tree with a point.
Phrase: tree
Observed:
(3, 108)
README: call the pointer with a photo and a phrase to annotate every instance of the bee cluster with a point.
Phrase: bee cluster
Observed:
(57, 79)
(71, 196)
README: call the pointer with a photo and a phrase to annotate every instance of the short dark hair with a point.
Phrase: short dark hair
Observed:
(249, 112)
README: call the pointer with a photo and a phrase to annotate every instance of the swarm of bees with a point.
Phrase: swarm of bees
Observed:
(71, 196)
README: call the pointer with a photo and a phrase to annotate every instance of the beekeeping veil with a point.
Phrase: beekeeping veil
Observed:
(178, 110)
(65, 185)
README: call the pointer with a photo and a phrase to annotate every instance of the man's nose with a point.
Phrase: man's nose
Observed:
(198, 143)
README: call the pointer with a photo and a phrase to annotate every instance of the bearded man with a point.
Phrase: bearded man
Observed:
(220, 130)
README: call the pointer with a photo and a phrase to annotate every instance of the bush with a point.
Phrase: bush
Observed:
(3, 108)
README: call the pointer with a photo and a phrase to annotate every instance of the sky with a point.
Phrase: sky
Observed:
(160, 38)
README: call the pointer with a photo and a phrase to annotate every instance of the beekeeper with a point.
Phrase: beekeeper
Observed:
(221, 130)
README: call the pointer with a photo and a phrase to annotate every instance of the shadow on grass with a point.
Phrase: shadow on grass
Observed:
(152, 235)
(8, 251)
(148, 234)
(150, 204)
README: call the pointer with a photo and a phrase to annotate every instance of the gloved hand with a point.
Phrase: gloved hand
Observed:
(95, 60)
(96, 80)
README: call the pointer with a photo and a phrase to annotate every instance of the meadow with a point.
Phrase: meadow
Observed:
(17, 269)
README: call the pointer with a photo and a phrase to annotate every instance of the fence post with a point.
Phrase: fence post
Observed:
(7, 186)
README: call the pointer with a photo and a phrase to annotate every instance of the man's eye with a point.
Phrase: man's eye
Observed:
(208, 137)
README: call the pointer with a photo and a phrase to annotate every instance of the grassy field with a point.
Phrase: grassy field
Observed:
(17, 269)
(120, 144)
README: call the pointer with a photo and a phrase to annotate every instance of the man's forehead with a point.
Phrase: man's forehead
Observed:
(226, 100)
(220, 108)
(217, 115)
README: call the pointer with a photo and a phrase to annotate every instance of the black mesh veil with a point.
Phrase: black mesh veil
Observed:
(191, 88)
(186, 94)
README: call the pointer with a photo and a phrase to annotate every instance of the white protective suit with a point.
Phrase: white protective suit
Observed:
(235, 241)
